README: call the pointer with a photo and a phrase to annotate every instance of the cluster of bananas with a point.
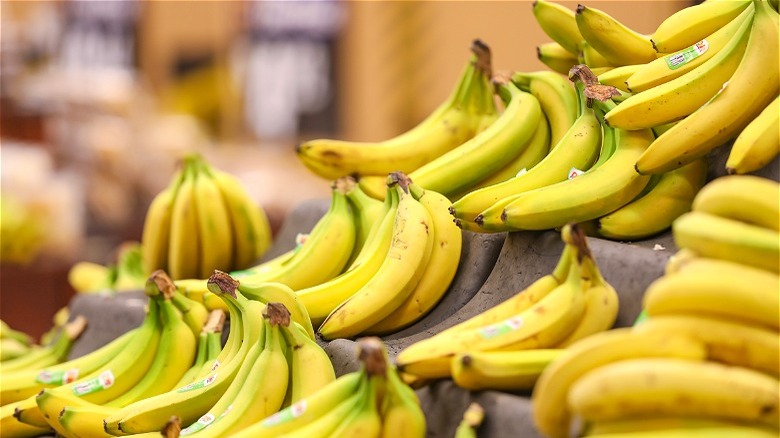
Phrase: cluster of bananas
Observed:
(14, 343)
(127, 274)
(371, 402)
(706, 355)
(707, 75)
(507, 346)
(204, 220)
(19, 351)
(370, 267)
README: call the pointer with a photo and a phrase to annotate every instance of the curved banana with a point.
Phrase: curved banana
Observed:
(455, 121)
(488, 151)
(193, 313)
(441, 268)
(364, 421)
(557, 98)
(368, 211)
(618, 76)
(728, 342)
(592, 58)
(654, 386)
(310, 366)
(684, 426)
(679, 97)
(326, 424)
(279, 293)
(400, 410)
(651, 213)
(324, 254)
(554, 56)
(559, 24)
(203, 355)
(588, 196)
(689, 25)
(214, 225)
(735, 292)
(612, 39)
(155, 237)
(48, 355)
(551, 415)
(756, 145)
(579, 148)
(184, 243)
(12, 427)
(746, 198)
(322, 299)
(401, 270)
(501, 370)
(676, 64)
(753, 86)
(713, 236)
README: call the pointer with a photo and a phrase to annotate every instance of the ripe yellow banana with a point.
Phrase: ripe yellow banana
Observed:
(651, 213)
(557, 58)
(676, 64)
(728, 239)
(758, 144)
(214, 225)
(556, 96)
(559, 24)
(193, 313)
(753, 86)
(616, 42)
(455, 121)
(679, 97)
(310, 366)
(400, 409)
(368, 211)
(501, 370)
(184, 244)
(694, 23)
(746, 198)
(655, 386)
(364, 421)
(401, 270)
(551, 415)
(618, 76)
(592, 58)
(12, 427)
(440, 270)
(666, 425)
(155, 238)
(47, 355)
(279, 293)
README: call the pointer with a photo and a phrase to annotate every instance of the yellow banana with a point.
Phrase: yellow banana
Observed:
(155, 238)
(184, 246)
(472, 419)
(592, 58)
(48, 355)
(12, 427)
(746, 198)
(364, 421)
(557, 98)
(400, 409)
(559, 24)
(214, 224)
(279, 293)
(501, 370)
(618, 76)
(661, 425)
(368, 211)
(756, 145)
(554, 56)
(730, 430)
(310, 366)
(616, 42)
(694, 23)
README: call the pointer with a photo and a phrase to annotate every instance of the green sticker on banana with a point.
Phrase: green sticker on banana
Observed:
(292, 412)
(199, 425)
(99, 383)
(679, 59)
(57, 377)
(500, 328)
(199, 384)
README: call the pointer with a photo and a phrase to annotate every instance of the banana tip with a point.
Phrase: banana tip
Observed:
(580, 8)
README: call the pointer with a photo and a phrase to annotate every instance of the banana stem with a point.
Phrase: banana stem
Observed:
(277, 314)
(371, 354)
(221, 283)
(215, 322)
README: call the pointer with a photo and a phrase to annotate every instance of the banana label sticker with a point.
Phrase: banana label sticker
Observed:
(294, 411)
(215, 366)
(574, 173)
(679, 59)
(103, 381)
(201, 424)
(500, 328)
(200, 384)
(58, 377)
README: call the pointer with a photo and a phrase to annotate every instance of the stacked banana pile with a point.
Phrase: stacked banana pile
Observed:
(706, 360)
(128, 273)
(508, 346)
(371, 402)
(204, 220)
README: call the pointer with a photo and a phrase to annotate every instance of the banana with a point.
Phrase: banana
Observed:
(733, 291)
(86, 277)
(404, 265)
(612, 39)
(155, 238)
(592, 58)
(83, 421)
(214, 224)
(728, 342)
(452, 123)
(192, 401)
(203, 355)
(557, 98)
(472, 419)
(753, 86)
(694, 23)
(310, 366)
(654, 386)
(193, 313)
(195, 290)
(644, 425)
(324, 254)
(679, 97)
(746, 198)
(326, 424)
(618, 76)
(488, 151)
(368, 211)
(364, 421)
(248, 221)
(441, 267)
(184, 244)
(713, 236)
(588, 196)
(671, 196)
(49, 355)
(551, 415)
(540, 326)
(676, 64)
(554, 56)
(280, 293)
(756, 145)
(400, 410)
(559, 24)
(501, 370)
(730, 430)
(334, 400)
(12, 427)
(579, 148)
(322, 299)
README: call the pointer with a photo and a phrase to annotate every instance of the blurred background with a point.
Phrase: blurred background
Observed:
(100, 99)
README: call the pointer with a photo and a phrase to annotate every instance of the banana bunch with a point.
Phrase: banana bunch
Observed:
(13, 343)
(371, 402)
(509, 345)
(468, 110)
(401, 272)
(38, 356)
(204, 220)
(268, 362)
(126, 274)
